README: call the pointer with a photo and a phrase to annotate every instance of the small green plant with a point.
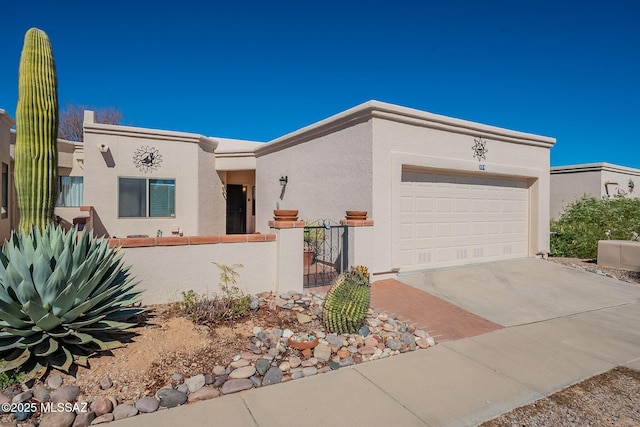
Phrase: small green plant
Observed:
(577, 232)
(232, 302)
(347, 301)
(229, 304)
(11, 377)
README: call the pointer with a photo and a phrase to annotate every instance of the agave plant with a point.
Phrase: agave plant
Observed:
(63, 297)
(347, 301)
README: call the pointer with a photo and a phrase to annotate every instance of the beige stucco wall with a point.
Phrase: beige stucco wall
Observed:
(6, 123)
(354, 160)
(187, 158)
(569, 183)
(327, 174)
(165, 271)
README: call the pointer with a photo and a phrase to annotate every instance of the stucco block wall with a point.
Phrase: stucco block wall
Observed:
(187, 158)
(165, 271)
(327, 174)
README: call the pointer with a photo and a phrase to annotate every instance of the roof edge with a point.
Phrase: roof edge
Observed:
(593, 167)
(154, 134)
(382, 110)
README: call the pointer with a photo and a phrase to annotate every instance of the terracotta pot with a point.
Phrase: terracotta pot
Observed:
(303, 345)
(356, 215)
(308, 256)
(285, 214)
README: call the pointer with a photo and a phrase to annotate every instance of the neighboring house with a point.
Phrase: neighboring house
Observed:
(600, 180)
(6, 184)
(441, 191)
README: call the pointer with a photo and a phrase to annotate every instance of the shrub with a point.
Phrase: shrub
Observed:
(231, 303)
(347, 301)
(63, 297)
(583, 223)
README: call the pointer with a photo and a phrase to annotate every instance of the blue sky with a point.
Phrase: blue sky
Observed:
(258, 70)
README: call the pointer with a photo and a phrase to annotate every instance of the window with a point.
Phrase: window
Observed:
(141, 198)
(70, 191)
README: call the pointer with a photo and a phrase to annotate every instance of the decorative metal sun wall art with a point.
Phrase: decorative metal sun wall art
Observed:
(147, 159)
(479, 149)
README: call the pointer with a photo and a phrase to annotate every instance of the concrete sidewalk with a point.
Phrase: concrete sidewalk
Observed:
(456, 383)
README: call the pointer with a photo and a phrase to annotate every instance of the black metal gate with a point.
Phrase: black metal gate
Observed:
(325, 252)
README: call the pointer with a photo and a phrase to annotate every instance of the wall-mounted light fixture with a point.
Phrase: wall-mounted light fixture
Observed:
(284, 180)
(103, 148)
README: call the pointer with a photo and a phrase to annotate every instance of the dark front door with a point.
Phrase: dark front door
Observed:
(236, 209)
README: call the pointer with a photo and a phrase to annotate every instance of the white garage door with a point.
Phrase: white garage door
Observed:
(454, 219)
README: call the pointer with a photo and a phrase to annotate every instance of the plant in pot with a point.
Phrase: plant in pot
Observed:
(313, 240)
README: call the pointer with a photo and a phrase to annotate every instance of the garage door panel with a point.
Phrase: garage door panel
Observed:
(458, 219)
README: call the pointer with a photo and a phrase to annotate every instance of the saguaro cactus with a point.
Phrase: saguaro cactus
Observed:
(36, 154)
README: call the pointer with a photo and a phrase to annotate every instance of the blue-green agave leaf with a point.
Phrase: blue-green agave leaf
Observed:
(46, 348)
(48, 322)
(64, 301)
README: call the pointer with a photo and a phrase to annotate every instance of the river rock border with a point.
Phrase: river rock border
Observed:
(268, 360)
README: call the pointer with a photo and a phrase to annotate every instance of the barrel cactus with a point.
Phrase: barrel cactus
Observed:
(63, 297)
(347, 301)
(36, 154)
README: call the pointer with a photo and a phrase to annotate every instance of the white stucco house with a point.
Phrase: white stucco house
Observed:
(441, 191)
(600, 180)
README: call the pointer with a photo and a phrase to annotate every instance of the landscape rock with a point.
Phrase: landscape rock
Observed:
(54, 381)
(171, 398)
(407, 338)
(262, 365)
(22, 415)
(218, 381)
(309, 371)
(235, 385)
(394, 344)
(303, 318)
(284, 366)
(41, 393)
(294, 361)
(101, 406)
(218, 370)
(322, 352)
(106, 418)
(123, 411)
(83, 419)
(239, 363)
(67, 393)
(106, 383)
(22, 397)
(195, 383)
(347, 361)
(147, 404)
(57, 419)
(204, 393)
(244, 372)
(273, 376)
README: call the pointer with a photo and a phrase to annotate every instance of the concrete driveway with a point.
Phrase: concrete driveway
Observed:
(523, 291)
